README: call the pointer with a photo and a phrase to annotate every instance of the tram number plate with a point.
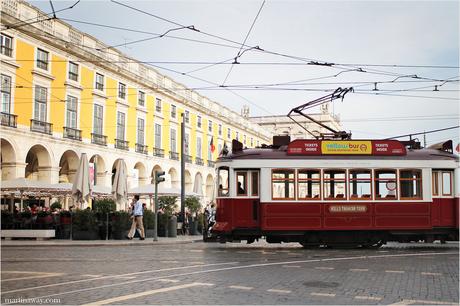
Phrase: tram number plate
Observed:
(347, 208)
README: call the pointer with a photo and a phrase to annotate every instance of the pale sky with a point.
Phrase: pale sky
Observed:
(361, 33)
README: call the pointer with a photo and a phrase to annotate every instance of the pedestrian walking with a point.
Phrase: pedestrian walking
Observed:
(137, 217)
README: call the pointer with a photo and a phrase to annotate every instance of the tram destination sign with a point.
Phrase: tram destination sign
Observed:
(346, 147)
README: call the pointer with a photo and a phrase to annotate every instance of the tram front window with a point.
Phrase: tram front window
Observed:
(222, 182)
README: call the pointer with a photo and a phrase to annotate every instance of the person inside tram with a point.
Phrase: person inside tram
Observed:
(240, 189)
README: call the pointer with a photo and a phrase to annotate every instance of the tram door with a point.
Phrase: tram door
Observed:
(246, 204)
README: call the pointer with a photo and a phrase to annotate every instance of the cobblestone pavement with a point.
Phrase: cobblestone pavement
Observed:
(231, 274)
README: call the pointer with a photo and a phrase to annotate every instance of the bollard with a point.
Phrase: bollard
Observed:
(172, 227)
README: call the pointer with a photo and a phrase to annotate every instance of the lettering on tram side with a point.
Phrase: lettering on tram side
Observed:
(347, 208)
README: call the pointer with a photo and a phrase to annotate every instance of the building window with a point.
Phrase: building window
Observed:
(157, 136)
(244, 139)
(360, 184)
(73, 71)
(121, 125)
(173, 111)
(309, 184)
(237, 136)
(258, 144)
(140, 131)
(220, 129)
(6, 94)
(198, 147)
(98, 119)
(334, 184)
(229, 133)
(210, 126)
(173, 141)
(121, 91)
(241, 183)
(158, 104)
(385, 184)
(283, 184)
(446, 183)
(209, 151)
(410, 184)
(71, 112)
(7, 45)
(198, 121)
(187, 116)
(42, 59)
(252, 142)
(99, 82)
(141, 98)
(187, 144)
(41, 94)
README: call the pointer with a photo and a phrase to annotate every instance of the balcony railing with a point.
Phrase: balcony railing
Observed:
(199, 161)
(72, 133)
(41, 127)
(140, 148)
(211, 163)
(8, 119)
(173, 155)
(188, 159)
(158, 152)
(121, 144)
(99, 139)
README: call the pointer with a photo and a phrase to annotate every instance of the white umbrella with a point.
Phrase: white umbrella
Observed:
(82, 187)
(120, 184)
(198, 186)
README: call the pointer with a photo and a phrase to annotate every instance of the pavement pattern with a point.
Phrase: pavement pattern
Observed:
(230, 274)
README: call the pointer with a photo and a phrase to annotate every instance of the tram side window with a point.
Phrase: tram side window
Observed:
(360, 184)
(254, 183)
(435, 183)
(411, 184)
(222, 187)
(309, 184)
(385, 184)
(446, 183)
(335, 184)
(241, 183)
(283, 184)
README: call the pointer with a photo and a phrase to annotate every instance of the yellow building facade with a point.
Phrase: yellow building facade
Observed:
(65, 93)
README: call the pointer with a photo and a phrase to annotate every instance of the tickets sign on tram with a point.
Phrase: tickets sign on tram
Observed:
(346, 147)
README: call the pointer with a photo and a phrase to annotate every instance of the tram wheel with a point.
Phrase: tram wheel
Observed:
(375, 245)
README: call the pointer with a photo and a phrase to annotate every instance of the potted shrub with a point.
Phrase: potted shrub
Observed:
(84, 225)
(193, 205)
(121, 223)
(44, 219)
(26, 219)
(149, 223)
(55, 206)
(7, 219)
(65, 219)
(103, 208)
(167, 204)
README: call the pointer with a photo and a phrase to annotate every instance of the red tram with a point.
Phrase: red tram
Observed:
(337, 192)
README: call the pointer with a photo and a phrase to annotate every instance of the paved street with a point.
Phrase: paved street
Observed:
(199, 273)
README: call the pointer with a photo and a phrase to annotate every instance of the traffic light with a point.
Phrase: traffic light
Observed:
(159, 177)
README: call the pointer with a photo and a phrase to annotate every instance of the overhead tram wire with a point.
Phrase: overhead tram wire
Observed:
(426, 132)
(321, 63)
(244, 42)
(27, 22)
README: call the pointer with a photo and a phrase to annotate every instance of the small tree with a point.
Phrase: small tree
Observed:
(193, 204)
(55, 206)
(167, 204)
(104, 206)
